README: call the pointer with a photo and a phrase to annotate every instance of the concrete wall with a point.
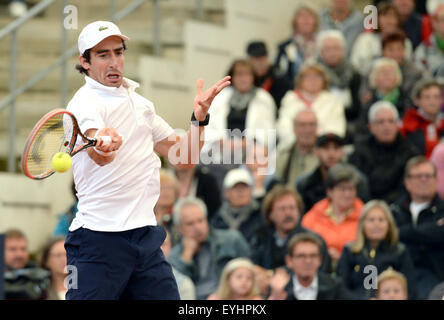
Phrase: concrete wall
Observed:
(209, 51)
(33, 206)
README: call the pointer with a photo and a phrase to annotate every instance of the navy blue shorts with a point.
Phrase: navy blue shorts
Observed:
(119, 265)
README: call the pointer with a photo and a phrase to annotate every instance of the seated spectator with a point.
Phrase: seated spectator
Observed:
(430, 55)
(187, 291)
(54, 260)
(368, 46)
(336, 217)
(199, 182)
(385, 84)
(203, 252)
(169, 193)
(393, 46)
(377, 244)
(438, 159)
(392, 285)
(420, 219)
(305, 281)
(343, 80)
(297, 157)
(411, 20)
(330, 151)
(237, 282)
(241, 106)
(240, 211)
(282, 208)
(311, 91)
(23, 280)
(382, 155)
(16, 251)
(424, 127)
(293, 52)
(62, 227)
(267, 76)
(341, 16)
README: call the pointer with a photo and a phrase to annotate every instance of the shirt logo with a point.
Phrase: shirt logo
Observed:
(103, 28)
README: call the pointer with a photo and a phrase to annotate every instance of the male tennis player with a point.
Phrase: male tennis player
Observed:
(114, 241)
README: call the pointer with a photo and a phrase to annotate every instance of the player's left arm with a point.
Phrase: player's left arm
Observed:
(186, 149)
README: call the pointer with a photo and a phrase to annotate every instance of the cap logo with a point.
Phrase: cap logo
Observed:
(103, 28)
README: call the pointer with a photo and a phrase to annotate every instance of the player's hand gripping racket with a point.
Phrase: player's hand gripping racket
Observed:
(56, 131)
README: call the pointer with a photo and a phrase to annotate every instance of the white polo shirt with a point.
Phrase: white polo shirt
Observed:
(120, 195)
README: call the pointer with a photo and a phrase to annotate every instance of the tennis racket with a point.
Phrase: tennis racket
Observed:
(56, 131)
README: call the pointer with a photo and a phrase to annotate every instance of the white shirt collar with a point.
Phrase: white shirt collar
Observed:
(305, 293)
(127, 85)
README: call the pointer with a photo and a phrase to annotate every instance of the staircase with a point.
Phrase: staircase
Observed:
(39, 46)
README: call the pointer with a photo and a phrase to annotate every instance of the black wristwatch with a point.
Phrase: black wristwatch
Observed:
(200, 123)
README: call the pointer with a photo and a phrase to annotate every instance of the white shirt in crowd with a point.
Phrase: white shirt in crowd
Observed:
(305, 293)
(120, 195)
(416, 208)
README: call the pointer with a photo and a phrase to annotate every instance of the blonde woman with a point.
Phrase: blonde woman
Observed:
(377, 244)
(311, 92)
(237, 282)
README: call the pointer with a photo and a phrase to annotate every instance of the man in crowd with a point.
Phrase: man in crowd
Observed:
(330, 151)
(382, 155)
(203, 252)
(419, 216)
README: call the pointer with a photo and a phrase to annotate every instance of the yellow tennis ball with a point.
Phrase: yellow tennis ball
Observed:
(61, 162)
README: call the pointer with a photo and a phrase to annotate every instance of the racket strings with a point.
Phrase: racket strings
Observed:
(55, 135)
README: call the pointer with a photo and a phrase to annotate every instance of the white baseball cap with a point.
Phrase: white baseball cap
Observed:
(95, 32)
(236, 176)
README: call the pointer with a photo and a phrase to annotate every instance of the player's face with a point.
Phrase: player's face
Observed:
(16, 253)
(107, 62)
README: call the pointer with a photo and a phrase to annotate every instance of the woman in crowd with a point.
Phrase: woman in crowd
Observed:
(343, 79)
(377, 244)
(237, 282)
(54, 260)
(385, 85)
(311, 91)
(241, 106)
(336, 217)
(368, 46)
(302, 44)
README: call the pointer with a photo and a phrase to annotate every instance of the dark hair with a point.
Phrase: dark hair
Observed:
(397, 36)
(239, 62)
(384, 8)
(303, 237)
(87, 56)
(424, 84)
(47, 248)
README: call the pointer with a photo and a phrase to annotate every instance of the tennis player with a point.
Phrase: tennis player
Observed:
(114, 241)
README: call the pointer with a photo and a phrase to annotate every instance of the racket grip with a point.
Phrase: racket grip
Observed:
(103, 141)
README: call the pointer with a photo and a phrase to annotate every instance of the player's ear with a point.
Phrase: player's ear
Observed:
(84, 63)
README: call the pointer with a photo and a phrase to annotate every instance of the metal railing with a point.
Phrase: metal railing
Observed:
(13, 28)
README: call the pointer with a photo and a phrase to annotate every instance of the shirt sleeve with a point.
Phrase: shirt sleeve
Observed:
(161, 129)
(87, 114)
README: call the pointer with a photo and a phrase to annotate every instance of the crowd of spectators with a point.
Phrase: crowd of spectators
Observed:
(359, 171)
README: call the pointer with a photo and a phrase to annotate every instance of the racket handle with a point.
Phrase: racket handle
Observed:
(104, 141)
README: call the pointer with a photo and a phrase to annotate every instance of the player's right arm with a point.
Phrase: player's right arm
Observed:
(104, 154)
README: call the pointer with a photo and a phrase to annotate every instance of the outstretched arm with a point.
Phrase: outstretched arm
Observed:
(184, 151)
